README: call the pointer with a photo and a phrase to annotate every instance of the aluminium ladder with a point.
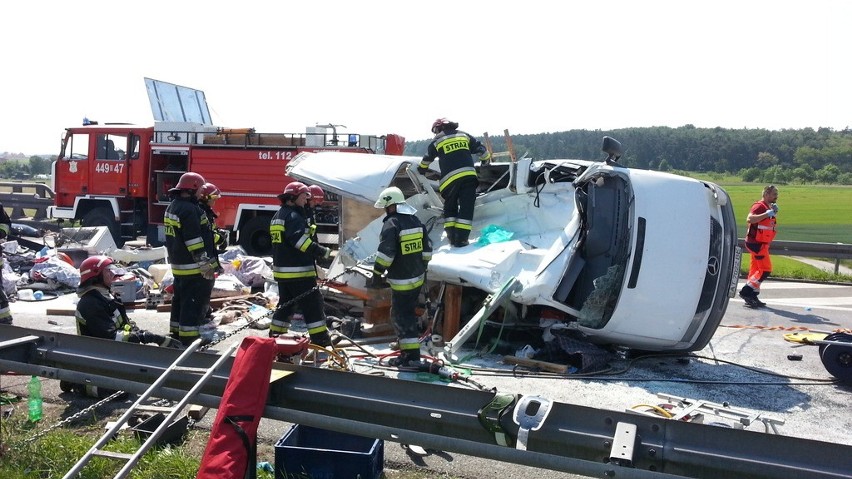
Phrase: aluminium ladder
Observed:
(132, 459)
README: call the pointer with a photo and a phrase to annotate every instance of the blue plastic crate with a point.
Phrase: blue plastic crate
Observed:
(308, 452)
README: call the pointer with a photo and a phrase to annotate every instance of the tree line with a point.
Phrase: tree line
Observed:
(25, 169)
(770, 156)
(755, 155)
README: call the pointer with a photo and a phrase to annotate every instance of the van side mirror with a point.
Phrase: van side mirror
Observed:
(612, 148)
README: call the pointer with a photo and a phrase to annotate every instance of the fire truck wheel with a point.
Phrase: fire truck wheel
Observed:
(254, 236)
(103, 217)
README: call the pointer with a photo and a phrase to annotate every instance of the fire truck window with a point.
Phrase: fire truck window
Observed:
(109, 147)
(79, 148)
(134, 147)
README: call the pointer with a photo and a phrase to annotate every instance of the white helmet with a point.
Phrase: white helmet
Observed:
(394, 196)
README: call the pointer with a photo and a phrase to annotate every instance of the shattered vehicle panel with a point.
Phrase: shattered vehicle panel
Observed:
(631, 257)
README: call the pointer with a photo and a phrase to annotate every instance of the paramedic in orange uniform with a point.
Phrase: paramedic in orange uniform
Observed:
(761, 231)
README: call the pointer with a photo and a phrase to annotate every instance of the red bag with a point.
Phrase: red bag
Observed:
(231, 449)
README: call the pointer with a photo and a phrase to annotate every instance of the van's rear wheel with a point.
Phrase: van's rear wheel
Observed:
(254, 236)
(103, 216)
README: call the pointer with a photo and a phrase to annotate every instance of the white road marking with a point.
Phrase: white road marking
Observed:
(812, 303)
(787, 285)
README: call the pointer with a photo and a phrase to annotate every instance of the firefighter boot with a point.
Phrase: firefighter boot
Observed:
(321, 339)
(451, 236)
(461, 237)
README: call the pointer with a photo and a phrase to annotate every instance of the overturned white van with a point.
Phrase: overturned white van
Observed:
(636, 258)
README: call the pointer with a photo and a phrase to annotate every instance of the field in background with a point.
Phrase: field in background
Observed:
(814, 213)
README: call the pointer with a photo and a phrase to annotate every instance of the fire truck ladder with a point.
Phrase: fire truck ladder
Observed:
(132, 459)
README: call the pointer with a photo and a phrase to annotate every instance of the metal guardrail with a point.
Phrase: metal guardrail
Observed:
(835, 251)
(29, 195)
(557, 436)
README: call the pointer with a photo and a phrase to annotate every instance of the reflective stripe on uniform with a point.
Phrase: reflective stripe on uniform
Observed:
(316, 327)
(194, 244)
(185, 269)
(292, 272)
(464, 224)
(455, 175)
(406, 284)
(383, 259)
(304, 243)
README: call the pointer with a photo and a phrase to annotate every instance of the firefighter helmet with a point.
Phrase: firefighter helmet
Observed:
(442, 124)
(210, 191)
(189, 181)
(394, 196)
(317, 194)
(390, 196)
(294, 189)
(93, 267)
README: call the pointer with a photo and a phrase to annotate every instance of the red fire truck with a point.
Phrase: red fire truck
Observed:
(118, 175)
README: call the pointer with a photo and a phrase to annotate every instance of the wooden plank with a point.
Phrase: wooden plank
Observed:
(214, 303)
(532, 363)
(196, 412)
(452, 310)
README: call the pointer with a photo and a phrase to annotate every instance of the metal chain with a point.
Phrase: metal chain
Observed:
(72, 417)
(250, 322)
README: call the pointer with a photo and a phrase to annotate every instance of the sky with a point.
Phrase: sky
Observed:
(379, 67)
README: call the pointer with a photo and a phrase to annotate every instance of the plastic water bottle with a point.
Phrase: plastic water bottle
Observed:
(34, 402)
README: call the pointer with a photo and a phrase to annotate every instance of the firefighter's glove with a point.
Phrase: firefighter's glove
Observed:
(770, 213)
(485, 158)
(422, 169)
(377, 281)
(312, 230)
(208, 270)
(147, 337)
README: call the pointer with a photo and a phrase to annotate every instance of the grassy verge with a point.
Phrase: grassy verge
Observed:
(54, 454)
(788, 268)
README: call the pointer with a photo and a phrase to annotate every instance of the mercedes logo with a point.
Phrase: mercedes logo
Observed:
(713, 266)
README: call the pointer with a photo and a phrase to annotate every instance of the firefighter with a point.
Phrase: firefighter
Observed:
(458, 183)
(189, 241)
(294, 255)
(100, 315)
(403, 254)
(5, 229)
(209, 194)
(316, 198)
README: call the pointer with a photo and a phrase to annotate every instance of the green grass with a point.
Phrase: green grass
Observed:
(784, 267)
(813, 213)
(54, 454)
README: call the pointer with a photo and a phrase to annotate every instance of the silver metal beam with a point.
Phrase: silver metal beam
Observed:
(571, 438)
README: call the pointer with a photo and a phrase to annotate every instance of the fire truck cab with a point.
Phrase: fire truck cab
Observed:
(118, 175)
